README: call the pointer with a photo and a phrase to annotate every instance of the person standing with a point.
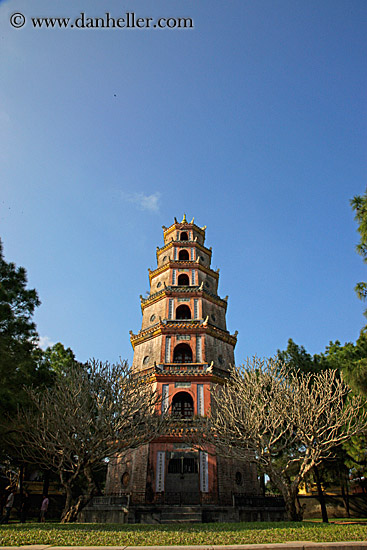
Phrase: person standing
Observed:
(44, 508)
(8, 506)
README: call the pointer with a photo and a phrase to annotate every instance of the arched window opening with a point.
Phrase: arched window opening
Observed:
(183, 255)
(183, 312)
(184, 236)
(183, 280)
(125, 478)
(182, 405)
(182, 354)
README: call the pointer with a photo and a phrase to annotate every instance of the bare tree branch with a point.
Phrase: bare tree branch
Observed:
(284, 422)
(92, 412)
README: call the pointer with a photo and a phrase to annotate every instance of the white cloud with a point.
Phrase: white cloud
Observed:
(143, 202)
(45, 342)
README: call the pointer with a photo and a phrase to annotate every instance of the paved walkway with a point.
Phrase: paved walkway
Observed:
(285, 546)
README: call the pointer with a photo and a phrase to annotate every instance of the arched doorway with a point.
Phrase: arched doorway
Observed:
(184, 236)
(182, 354)
(183, 312)
(183, 280)
(183, 255)
(182, 405)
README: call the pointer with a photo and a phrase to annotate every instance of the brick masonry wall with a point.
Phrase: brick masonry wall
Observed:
(204, 257)
(215, 348)
(210, 282)
(158, 309)
(228, 478)
(157, 282)
(134, 463)
(164, 257)
(216, 313)
(150, 348)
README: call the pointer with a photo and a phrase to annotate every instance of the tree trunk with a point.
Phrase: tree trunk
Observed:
(71, 514)
(292, 509)
(343, 474)
(289, 491)
(68, 501)
(72, 511)
(321, 495)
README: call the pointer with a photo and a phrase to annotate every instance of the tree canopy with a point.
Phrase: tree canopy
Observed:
(19, 354)
(92, 412)
(284, 421)
(359, 205)
(296, 358)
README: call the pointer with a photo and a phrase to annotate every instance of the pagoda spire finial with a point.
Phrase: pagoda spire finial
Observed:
(192, 221)
(184, 220)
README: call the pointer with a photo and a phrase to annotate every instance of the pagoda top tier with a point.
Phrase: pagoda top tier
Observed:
(184, 231)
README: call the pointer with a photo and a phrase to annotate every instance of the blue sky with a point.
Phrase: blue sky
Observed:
(254, 122)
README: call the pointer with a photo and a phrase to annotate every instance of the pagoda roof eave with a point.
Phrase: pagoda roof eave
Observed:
(184, 225)
(191, 326)
(183, 244)
(173, 291)
(182, 264)
(202, 371)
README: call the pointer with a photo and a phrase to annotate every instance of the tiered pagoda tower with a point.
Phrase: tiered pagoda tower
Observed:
(185, 347)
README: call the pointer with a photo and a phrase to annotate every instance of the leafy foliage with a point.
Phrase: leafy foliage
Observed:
(58, 360)
(296, 358)
(350, 359)
(20, 364)
(359, 205)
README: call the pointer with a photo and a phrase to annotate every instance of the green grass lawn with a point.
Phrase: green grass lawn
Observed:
(17, 534)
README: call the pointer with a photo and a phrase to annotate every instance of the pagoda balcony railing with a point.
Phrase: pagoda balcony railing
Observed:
(182, 262)
(189, 321)
(182, 366)
(186, 368)
(183, 422)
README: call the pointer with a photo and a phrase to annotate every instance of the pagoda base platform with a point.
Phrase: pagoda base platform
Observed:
(119, 510)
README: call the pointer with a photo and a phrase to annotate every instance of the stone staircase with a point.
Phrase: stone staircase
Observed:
(181, 514)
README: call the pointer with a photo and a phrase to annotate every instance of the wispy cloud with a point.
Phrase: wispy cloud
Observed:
(45, 342)
(142, 201)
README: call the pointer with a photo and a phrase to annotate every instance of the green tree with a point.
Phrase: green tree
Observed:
(359, 205)
(296, 358)
(20, 363)
(58, 359)
(350, 359)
